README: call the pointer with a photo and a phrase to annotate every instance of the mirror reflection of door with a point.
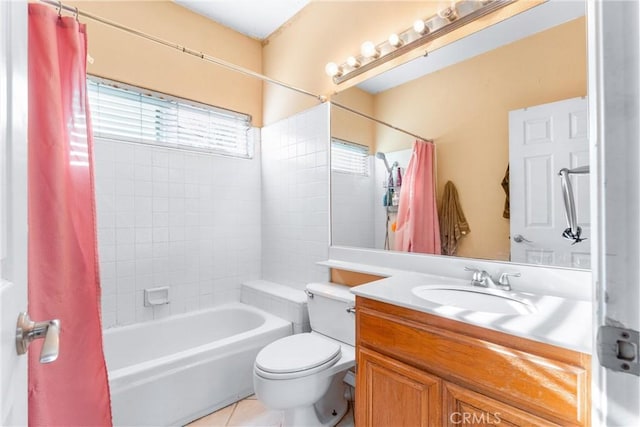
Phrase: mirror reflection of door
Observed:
(542, 140)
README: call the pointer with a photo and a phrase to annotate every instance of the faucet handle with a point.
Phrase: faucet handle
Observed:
(479, 276)
(504, 278)
(478, 273)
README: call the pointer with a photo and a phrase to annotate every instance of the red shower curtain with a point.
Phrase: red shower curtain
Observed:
(63, 263)
(417, 226)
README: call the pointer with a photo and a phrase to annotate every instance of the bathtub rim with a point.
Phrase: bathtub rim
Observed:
(270, 322)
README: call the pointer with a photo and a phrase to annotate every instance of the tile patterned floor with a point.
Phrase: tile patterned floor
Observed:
(251, 413)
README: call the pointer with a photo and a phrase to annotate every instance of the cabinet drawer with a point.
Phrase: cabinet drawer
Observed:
(553, 389)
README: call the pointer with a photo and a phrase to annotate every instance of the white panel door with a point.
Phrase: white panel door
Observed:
(13, 208)
(542, 140)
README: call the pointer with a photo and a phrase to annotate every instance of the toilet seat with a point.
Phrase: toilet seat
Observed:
(297, 356)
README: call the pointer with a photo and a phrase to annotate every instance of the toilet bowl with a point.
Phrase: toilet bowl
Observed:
(302, 375)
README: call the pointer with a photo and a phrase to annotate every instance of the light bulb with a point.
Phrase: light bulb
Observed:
(332, 69)
(395, 40)
(369, 50)
(353, 62)
(420, 27)
(448, 12)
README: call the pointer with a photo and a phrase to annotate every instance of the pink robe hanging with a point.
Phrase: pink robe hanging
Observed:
(417, 227)
(63, 260)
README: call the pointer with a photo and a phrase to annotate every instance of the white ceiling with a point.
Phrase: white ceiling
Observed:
(255, 18)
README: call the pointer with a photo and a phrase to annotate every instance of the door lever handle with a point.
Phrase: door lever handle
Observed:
(519, 238)
(27, 331)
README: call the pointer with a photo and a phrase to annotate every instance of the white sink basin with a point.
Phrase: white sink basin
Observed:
(475, 299)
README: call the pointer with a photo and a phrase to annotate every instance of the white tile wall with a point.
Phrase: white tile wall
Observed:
(185, 220)
(352, 209)
(295, 219)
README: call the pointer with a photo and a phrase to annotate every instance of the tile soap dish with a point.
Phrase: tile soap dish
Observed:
(156, 296)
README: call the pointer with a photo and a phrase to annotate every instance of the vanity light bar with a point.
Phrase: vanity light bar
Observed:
(445, 21)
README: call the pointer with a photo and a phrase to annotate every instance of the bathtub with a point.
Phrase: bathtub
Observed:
(175, 370)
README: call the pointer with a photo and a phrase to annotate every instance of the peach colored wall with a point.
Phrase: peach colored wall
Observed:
(330, 31)
(351, 127)
(464, 108)
(123, 57)
(320, 33)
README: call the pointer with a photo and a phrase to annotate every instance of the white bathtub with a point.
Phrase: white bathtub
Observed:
(172, 371)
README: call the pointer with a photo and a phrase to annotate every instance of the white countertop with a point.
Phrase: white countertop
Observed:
(558, 321)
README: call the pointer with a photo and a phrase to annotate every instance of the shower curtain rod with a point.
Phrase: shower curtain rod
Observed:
(176, 46)
(344, 107)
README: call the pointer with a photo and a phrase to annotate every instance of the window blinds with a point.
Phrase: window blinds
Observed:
(126, 114)
(349, 157)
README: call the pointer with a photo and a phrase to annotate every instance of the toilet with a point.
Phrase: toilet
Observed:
(302, 375)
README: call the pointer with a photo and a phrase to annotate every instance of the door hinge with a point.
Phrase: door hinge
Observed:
(618, 349)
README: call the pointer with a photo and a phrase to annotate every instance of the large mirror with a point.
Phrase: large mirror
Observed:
(506, 111)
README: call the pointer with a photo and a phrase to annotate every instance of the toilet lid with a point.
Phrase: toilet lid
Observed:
(296, 353)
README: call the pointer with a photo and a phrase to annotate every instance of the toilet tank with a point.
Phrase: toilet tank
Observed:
(328, 311)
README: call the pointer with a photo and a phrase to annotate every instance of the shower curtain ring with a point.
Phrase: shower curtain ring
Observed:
(77, 13)
(59, 8)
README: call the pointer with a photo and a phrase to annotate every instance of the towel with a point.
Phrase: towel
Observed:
(505, 186)
(453, 225)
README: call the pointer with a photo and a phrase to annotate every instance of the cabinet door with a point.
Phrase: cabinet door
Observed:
(390, 393)
(463, 407)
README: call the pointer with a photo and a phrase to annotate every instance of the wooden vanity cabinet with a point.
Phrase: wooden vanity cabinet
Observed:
(395, 394)
(417, 369)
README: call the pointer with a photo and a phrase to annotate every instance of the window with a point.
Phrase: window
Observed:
(126, 114)
(349, 157)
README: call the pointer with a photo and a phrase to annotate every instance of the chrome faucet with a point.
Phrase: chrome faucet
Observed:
(483, 279)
